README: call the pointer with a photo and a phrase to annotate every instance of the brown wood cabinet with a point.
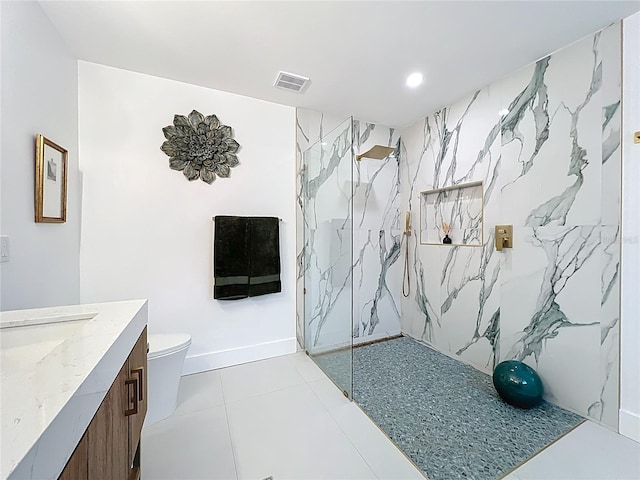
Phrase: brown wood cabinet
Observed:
(108, 433)
(110, 448)
(137, 371)
(77, 467)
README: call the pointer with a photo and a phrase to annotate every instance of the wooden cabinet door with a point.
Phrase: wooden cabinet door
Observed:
(107, 451)
(138, 369)
(76, 468)
(108, 433)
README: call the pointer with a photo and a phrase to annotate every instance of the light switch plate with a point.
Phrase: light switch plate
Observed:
(4, 248)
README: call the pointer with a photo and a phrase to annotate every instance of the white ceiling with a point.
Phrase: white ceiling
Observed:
(357, 54)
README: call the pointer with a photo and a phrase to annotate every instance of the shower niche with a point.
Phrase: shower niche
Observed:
(452, 215)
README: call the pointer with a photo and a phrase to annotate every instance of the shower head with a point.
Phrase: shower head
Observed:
(377, 152)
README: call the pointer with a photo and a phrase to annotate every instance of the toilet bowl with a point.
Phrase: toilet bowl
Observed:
(165, 358)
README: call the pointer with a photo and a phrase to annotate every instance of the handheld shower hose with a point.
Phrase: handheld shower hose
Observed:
(406, 280)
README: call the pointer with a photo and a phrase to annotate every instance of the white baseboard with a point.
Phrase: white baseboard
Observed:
(236, 356)
(629, 425)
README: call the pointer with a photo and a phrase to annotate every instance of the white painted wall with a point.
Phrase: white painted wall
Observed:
(147, 231)
(39, 95)
(630, 272)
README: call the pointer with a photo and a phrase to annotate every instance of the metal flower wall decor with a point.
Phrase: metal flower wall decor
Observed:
(200, 146)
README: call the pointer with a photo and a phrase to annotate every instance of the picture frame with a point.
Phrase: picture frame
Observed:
(50, 181)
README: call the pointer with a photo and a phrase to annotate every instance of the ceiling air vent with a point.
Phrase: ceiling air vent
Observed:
(291, 82)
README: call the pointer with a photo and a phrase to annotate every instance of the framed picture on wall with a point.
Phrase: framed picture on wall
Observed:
(51, 181)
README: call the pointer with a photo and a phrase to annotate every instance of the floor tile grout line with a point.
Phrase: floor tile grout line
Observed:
(235, 400)
(321, 402)
(303, 384)
(311, 381)
(325, 409)
(178, 413)
(336, 410)
(229, 403)
(346, 434)
(226, 412)
(352, 401)
(299, 371)
(342, 430)
(323, 377)
(313, 365)
(395, 445)
(524, 462)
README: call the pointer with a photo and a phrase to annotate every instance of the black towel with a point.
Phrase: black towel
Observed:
(231, 258)
(246, 257)
(264, 259)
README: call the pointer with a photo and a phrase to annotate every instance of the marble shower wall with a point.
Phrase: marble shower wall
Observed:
(378, 236)
(373, 189)
(545, 142)
(310, 128)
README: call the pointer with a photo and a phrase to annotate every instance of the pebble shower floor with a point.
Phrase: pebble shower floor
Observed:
(445, 415)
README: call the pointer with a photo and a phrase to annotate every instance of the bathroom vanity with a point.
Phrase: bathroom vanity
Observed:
(73, 383)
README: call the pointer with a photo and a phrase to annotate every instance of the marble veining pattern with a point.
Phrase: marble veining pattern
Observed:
(545, 142)
(567, 249)
(377, 235)
(47, 404)
(353, 208)
(456, 213)
(555, 210)
(464, 271)
(310, 128)
(328, 221)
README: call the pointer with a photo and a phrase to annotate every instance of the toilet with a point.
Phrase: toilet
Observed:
(165, 357)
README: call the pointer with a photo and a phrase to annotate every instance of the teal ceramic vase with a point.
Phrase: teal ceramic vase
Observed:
(518, 384)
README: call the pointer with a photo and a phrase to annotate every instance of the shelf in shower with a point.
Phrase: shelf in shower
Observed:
(459, 207)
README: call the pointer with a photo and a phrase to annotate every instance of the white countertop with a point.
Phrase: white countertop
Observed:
(54, 377)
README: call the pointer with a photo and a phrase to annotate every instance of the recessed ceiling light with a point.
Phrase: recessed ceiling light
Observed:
(414, 79)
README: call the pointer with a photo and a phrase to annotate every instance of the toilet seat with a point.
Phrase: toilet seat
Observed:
(161, 344)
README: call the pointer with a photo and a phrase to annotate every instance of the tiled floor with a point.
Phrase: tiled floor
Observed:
(446, 415)
(283, 418)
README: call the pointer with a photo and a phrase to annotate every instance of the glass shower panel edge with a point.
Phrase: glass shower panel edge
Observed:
(328, 254)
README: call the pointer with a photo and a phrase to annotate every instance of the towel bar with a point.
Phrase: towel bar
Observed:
(214, 218)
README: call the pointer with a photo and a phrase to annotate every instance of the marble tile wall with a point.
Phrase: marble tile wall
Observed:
(444, 211)
(310, 128)
(545, 142)
(378, 238)
(369, 191)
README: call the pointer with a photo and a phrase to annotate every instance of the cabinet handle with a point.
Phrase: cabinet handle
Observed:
(140, 372)
(134, 409)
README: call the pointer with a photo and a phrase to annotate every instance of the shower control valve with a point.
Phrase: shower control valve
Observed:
(504, 237)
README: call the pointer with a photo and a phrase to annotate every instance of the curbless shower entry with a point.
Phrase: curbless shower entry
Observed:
(550, 166)
(442, 413)
(328, 254)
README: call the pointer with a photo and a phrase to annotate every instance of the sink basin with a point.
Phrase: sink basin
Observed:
(56, 366)
(26, 344)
